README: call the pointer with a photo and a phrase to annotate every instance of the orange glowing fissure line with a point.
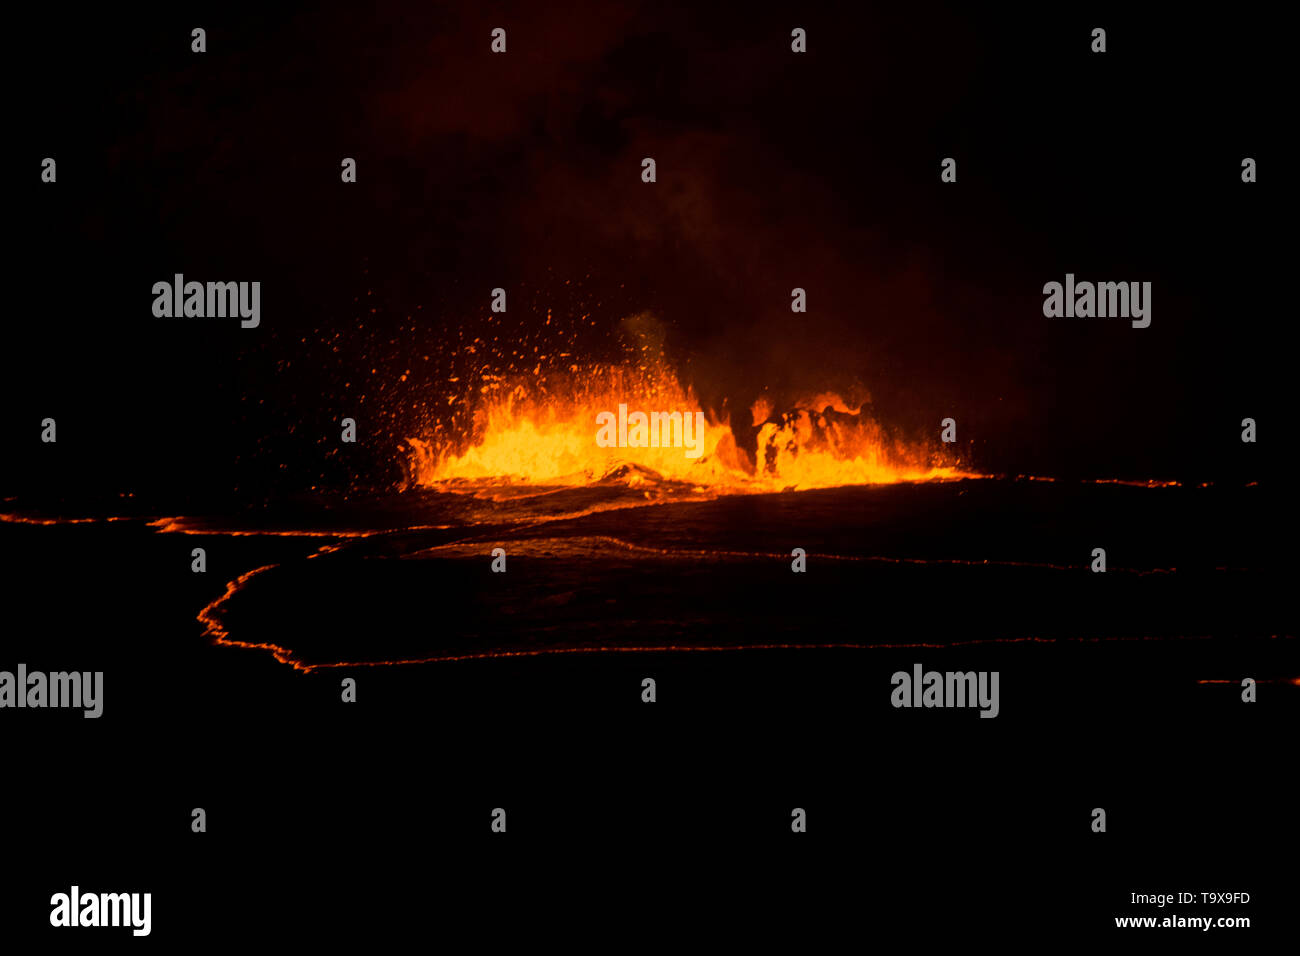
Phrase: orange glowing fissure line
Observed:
(284, 655)
(213, 629)
(866, 559)
(27, 519)
(1258, 680)
(179, 524)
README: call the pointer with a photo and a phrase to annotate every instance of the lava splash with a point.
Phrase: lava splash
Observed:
(545, 429)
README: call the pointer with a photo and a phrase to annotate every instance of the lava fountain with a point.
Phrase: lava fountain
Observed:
(543, 428)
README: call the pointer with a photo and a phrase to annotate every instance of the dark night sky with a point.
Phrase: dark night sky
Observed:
(774, 170)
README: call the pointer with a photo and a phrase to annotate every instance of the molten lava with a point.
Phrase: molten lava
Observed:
(537, 432)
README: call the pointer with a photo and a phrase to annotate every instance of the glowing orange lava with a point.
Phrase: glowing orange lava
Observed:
(528, 434)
